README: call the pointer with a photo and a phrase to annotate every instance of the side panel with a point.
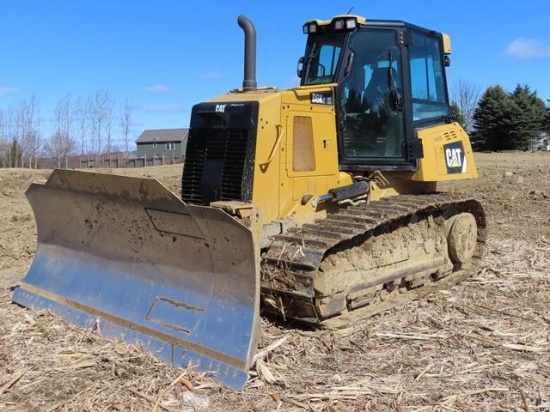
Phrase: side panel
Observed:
(269, 146)
(310, 153)
(310, 162)
(311, 144)
(448, 154)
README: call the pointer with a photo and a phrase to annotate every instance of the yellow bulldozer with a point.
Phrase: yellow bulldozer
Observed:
(316, 204)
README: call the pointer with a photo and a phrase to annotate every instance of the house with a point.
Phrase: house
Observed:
(543, 142)
(160, 143)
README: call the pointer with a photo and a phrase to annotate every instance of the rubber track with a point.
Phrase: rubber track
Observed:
(290, 263)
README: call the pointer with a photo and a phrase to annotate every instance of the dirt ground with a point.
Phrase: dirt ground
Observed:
(483, 345)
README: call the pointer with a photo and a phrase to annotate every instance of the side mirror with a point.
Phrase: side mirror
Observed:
(300, 68)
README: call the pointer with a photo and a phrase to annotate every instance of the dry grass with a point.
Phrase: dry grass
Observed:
(483, 345)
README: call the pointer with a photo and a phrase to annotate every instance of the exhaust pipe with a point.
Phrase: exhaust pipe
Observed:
(249, 82)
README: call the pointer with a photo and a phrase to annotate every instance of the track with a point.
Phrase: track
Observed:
(369, 258)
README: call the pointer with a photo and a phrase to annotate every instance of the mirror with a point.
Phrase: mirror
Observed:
(300, 68)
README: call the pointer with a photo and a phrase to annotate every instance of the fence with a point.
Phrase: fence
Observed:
(118, 162)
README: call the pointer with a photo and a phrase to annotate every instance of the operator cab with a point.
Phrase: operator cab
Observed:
(390, 80)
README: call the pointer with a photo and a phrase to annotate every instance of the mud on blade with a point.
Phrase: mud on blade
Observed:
(129, 255)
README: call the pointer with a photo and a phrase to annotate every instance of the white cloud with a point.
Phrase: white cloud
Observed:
(525, 49)
(174, 108)
(7, 90)
(157, 88)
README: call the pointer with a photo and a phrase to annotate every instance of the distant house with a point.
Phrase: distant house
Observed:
(169, 143)
(543, 142)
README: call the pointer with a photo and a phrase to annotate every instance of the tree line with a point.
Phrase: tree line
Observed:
(495, 119)
(498, 120)
(91, 126)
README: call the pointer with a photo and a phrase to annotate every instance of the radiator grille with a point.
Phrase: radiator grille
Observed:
(226, 146)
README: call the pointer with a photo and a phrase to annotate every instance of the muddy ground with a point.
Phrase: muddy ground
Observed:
(483, 345)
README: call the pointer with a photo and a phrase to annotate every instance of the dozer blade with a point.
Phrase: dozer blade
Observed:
(126, 256)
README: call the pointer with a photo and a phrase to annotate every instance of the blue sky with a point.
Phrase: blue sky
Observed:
(165, 55)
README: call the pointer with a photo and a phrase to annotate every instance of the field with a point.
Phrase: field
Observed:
(483, 345)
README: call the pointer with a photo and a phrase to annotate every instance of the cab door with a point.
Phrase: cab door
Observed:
(370, 100)
(311, 158)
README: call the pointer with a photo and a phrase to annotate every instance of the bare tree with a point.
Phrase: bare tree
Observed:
(11, 140)
(466, 95)
(62, 143)
(60, 146)
(32, 137)
(102, 121)
(96, 123)
(108, 122)
(64, 115)
(4, 145)
(126, 124)
(27, 131)
(12, 133)
(17, 137)
(83, 114)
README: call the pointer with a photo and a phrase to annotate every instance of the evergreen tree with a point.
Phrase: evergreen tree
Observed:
(16, 153)
(491, 120)
(509, 121)
(457, 115)
(527, 117)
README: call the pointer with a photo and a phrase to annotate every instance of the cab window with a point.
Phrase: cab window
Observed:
(429, 97)
(370, 97)
(322, 58)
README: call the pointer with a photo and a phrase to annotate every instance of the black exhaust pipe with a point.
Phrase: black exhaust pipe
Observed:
(249, 82)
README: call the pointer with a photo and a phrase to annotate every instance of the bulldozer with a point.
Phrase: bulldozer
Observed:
(317, 204)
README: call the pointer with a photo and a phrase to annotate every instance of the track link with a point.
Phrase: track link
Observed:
(301, 259)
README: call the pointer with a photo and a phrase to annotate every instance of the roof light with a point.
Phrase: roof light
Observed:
(310, 28)
(348, 23)
(351, 24)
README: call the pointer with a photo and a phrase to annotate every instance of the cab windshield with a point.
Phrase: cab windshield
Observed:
(322, 58)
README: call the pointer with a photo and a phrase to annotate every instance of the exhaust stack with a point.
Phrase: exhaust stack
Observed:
(249, 82)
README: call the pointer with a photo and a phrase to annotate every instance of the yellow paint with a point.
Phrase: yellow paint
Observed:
(282, 190)
(446, 43)
(433, 166)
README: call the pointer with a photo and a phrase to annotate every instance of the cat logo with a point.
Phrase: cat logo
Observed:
(454, 158)
(220, 108)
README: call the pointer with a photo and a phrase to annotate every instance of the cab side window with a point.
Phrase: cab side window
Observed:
(429, 97)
